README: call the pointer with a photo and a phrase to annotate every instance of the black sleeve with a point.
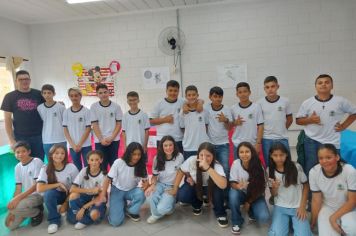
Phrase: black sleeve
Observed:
(6, 103)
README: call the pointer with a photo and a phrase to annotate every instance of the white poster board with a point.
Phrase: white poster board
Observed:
(155, 77)
(231, 74)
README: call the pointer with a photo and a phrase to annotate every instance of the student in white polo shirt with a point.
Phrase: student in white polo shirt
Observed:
(106, 117)
(165, 115)
(248, 119)
(124, 177)
(26, 201)
(194, 123)
(333, 186)
(277, 116)
(322, 117)
(77, 127)
(51, 113)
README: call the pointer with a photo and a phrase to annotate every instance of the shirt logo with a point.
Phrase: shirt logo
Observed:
(250, 116)
(111, 114)
(30, 173)
(332, 113)
(280, 108)
(340, 187)
(139, 121)
(68, 180)
(178, 110)
(96, 183)
(55, 114)
(80, 119)
(200, 119)
(26, 104)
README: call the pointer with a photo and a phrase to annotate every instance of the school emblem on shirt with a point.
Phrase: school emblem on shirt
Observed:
(178, 110)
(55, 114)
(200, 119)
(30, 173)
(280, 108)
(250, 116)
(68, 180)
(111, 114)
(332, 113)
(340, 187)
(139, 121)
(80, 119)
(96, 183)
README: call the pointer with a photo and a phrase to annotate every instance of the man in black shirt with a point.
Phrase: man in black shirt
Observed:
(22, 121)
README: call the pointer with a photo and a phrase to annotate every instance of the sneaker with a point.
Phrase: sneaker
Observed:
(251, 218)
(79, 225)
(206, 202)
(133, 217)
(197, 212)
(52, 228)
(222, 221)
(271, 200)
(235, 230)
(184, 204)
(37, 220)
(152, 219)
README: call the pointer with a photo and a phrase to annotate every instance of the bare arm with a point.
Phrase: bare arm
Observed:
(84, 136)
(76, 189)
(348, 206)
(97, 131)
(161, 120)
(349, 120)
(8, 127)
(289, 121)
(317, 200)
(68, 137)
(43, 187)
(116, 130)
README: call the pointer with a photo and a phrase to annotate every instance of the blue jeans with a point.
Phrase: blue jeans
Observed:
(76, 204)
(188, 194)
(187, 154)
(35, 143)
(110, 152)
(280, 223)
(52, 198)
(222, 156)
(77, 157)
(258, 208)
(118, 201)
(47, 147)
(161, 202)
(267, 144)
(311, 147)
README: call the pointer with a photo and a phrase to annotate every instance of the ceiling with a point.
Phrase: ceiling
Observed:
(46, 11)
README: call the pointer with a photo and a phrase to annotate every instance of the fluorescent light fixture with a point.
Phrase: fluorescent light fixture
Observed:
(81, 1)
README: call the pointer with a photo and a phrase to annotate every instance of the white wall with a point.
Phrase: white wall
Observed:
(293, 40)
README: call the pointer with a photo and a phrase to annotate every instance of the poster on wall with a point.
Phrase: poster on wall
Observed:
(231, 74)
(155, 77)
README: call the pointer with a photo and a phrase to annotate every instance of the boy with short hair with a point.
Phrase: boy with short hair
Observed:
(51, 113)
(277, 116)
(165, 115)
(106, 117)
(247, 119)
(135, 123)
(194, 124)
(26, 201)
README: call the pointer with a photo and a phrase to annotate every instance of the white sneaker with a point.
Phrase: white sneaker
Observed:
(52, 228)
(152, 219)
(79, 225)
(235, 230)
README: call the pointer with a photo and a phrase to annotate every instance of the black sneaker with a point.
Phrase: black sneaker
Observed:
(133, 217)
(197, 212)
(222, 221)
(206, 202)
(235, 230)
(37, 220)
(271, 200)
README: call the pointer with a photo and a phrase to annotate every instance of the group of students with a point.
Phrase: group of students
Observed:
(192, 161)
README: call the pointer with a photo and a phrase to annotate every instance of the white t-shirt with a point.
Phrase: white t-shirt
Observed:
(330, 112)
(165, 108)
(290, 197)
(107, 117)
(168, 175)
(65, 176)
(52, 131)
(92, 182)
(217, 132)
(190, 166)
(194, 124)
(134, 126)
(275, 117)
(334, 189)
(77, 122)
(247, 132)
(123, 176)
(238, 173)
(27, 174)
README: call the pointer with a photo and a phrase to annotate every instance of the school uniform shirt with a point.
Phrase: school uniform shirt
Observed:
(194, 124)
(134, 125)
(275, 116)
(165, 108)
(290, 197)
(252, 115)
(77, 122)
(27, 174)
(190, 166)
(52, 117)
(92, 182)
(65, 176)
(168, 175)
(123, 176)
(217, 132)
(330, 112)
(238, 173)
(107, 117)
(334, 188)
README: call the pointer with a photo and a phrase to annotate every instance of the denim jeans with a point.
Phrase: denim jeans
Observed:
(267, 144)
(187, 154)
(110, 152)
(52, 198)
(311, 147)
(188, 194)
(161, 202)
(118, 202)
(77, 157)
(258, 209)
(222, 156)
(35, 143)
(280, 223)
(76, 204)
(47, 147)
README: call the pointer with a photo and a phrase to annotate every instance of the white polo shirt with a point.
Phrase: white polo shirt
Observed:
(134, 125)
(92, 182)
(27, 174)
(168, 175)
(65, 176)
(217, 132)
(238, 173)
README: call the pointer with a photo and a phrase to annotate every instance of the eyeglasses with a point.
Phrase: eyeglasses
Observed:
(24, 79)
